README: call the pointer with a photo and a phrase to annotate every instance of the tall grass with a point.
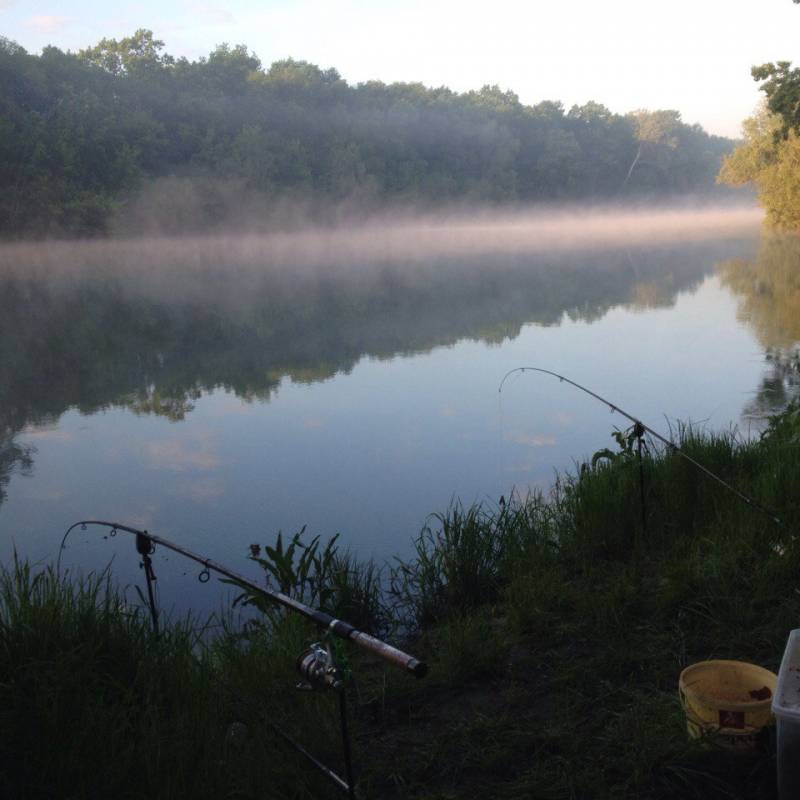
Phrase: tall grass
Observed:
(595, 610)
(555, 625)
(92, 705)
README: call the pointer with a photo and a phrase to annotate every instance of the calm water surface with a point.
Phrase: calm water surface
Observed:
(218, 397)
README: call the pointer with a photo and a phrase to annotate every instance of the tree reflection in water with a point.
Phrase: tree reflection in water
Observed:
(768, 288)
(14, 457)
(88, 328)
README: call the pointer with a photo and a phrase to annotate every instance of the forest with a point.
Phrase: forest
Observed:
(124, 138)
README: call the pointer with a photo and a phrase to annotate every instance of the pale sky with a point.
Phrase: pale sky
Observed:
(692, 55)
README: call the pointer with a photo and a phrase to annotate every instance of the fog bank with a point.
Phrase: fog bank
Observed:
(398, 238)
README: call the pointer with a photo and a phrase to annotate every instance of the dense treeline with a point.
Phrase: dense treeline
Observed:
(83, 135)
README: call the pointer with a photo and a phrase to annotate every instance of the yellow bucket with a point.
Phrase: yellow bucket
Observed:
(728, 701)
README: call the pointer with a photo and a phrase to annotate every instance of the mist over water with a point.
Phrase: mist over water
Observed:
(401, 234)
(218, 389)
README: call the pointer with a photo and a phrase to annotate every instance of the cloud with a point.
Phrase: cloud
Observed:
(49, 434)
(142, 517)
(48, 23)
(536, 440)
(215, 15)
(4, 4)
(525, 466)
(201, 490)
(224, 405)
(178, 456)
(42, 495)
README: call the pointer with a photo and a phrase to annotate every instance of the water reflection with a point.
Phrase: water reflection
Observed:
(768, 287)
(218, 395)
(14, 457)
(156, 330)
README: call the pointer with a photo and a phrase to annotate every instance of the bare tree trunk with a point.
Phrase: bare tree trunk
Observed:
(635, 162)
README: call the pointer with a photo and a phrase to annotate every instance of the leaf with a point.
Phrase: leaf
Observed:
(604, 453)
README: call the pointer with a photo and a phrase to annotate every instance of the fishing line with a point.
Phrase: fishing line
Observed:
(656, 435)
(501, 460)
(502, 447)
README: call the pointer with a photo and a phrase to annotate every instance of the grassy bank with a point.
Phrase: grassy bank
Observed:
(555, 627)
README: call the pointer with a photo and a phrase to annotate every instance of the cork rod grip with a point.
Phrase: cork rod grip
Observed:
(391, 654)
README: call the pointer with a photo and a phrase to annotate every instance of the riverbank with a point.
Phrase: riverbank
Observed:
(555, 628)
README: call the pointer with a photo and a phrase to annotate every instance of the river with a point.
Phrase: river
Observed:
(217, 391)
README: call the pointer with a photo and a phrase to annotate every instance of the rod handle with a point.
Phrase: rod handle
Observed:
(391, 654)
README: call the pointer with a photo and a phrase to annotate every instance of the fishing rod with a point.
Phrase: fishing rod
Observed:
(145, 544)
(640, 428)
(318, 665)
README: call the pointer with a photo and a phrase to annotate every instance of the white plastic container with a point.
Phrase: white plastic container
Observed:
(786, 707)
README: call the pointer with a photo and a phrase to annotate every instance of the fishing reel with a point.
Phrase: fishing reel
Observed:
(319, 670)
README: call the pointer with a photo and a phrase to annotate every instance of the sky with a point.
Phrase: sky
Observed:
(690, 55)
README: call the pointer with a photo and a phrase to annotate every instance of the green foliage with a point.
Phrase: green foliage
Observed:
(137, 53)
(772, 164)
(781, 85)
(300, 570)
(321, 576)
(81, 135)
(770, 155)
(784, 427)
(467, 647)
(357, 594)
(658, 127)
(626, 444)
(456, 565)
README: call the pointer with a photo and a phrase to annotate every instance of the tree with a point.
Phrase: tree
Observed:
(653, 130)
(228, 69)
(289, 72)
(769, 158)
(132, 54)
(771, 161)
(782, 88)
(781, 85)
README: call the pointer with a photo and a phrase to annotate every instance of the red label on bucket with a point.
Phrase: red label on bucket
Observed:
(731, 719)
